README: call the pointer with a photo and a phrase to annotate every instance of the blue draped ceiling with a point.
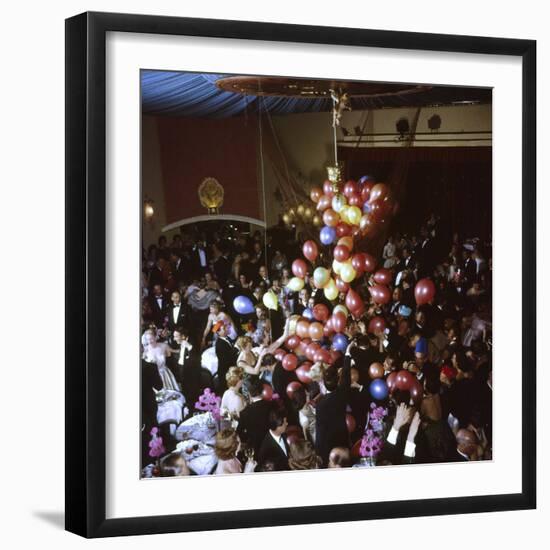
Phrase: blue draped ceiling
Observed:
(196, 95)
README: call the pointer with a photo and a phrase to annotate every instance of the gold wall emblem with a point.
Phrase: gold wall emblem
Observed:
(211, 194)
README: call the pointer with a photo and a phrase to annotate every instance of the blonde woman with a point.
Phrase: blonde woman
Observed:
(157, 352)
(232, 401)
(226, 448)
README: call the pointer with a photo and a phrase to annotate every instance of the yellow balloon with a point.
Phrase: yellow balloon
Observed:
(270, 300)
(338, 202)
(354, 215)
(316, 220)
(347, 273)
(331, 292)
(295, 284)
(344, 214)
(341, 308)
(308, 212)
(336, 266)
(300, 210)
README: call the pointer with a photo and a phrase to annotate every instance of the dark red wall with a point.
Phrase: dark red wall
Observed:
(192, 149)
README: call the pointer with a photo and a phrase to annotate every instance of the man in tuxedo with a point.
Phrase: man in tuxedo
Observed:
(199, 259)
(274, 447)
(254, 418)
(177, 312)
(181, 351)
(156, 275)
(222, 267)
(159, 305)
(466, 446)
(331, 428)
(180, 269)
(227, 355)
(470, 268)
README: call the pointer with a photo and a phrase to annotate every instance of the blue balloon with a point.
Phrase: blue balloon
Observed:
(243, 305)
(367, 208)
(339, 342)
(308, 314)
(378, 389)
(327, 235)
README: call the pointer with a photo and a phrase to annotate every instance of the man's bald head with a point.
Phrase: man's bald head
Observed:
(466, 441)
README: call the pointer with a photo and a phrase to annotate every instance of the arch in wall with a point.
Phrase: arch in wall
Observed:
(213, 217)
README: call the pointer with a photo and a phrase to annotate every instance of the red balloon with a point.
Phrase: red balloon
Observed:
(316, 331)
(350, 423)
(380, 294)
(417, 392)
(390, 381)
(302, 328)
(327, 329)
(322, 355)
(404, 380)
(323, 203)
(356, 449)
(380, 209)
(424, 291)
(341, 253)
(376, 370)
(315, 194)
(350, 188)
(267, 393)
(320, 312)
(377, 325)
(301, 349)
(290, 362)
(379, 191)
(354, 302)
(292, 388)
(367, 225)
(370, 262)
(292, 342)
(338, 322)
(383, 276)
(279, 354)
(328, 189)
(358, 262)
(310, 250)
(342, 286)
(311, 350)
(294, 434)
(355, 200)
(299, 268)
(365, 192)
(343, 230)
(330, 218)
(302, 372)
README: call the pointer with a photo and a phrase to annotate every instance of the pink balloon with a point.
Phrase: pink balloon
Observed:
(343, 230)
(322, 355)
(342, 286)
(292, 342)
(292, 388)
(338, 322)
(267, 392)
(299, 268)
(377, 325)
(290, 362)
(328, 189)
(383, 276)
(279, 354)
(316, 331)
(351, 424)
(390, 381)
(354, 302)
(341, 253)
(302, 372)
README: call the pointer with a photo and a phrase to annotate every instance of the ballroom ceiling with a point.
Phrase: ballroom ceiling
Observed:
(218, 96)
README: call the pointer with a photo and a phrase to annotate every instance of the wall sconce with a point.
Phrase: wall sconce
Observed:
(148, 210)
(211, 195)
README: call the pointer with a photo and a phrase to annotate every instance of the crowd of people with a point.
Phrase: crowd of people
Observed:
(217, 398)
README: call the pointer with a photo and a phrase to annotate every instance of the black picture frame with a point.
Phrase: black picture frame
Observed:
(86, 284)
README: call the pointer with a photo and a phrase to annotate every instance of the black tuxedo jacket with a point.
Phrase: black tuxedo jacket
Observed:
(182, 318)
(331, 428)
(227, 355)
(253, 423)
(156, 277)
(150, 378)
(271, 451)
(158, 312)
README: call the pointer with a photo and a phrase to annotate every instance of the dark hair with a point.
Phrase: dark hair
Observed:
(254, 385)
(168, 465)
(432, 383)
(330, 377)
(268, 359)
(183, 331)
(276, 418)
(298, 398)
(401, 396)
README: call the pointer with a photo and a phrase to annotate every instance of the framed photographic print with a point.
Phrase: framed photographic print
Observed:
(294, 255)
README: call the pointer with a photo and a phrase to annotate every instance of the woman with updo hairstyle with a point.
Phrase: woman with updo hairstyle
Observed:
(226, 448)
(232, 401)
(302, 456)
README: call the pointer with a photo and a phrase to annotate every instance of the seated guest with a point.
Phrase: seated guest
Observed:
(173, 465)
(227, 447)
(339, 457)
(254, 418)
(232, 401)
(302, 456)
(274, 447)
